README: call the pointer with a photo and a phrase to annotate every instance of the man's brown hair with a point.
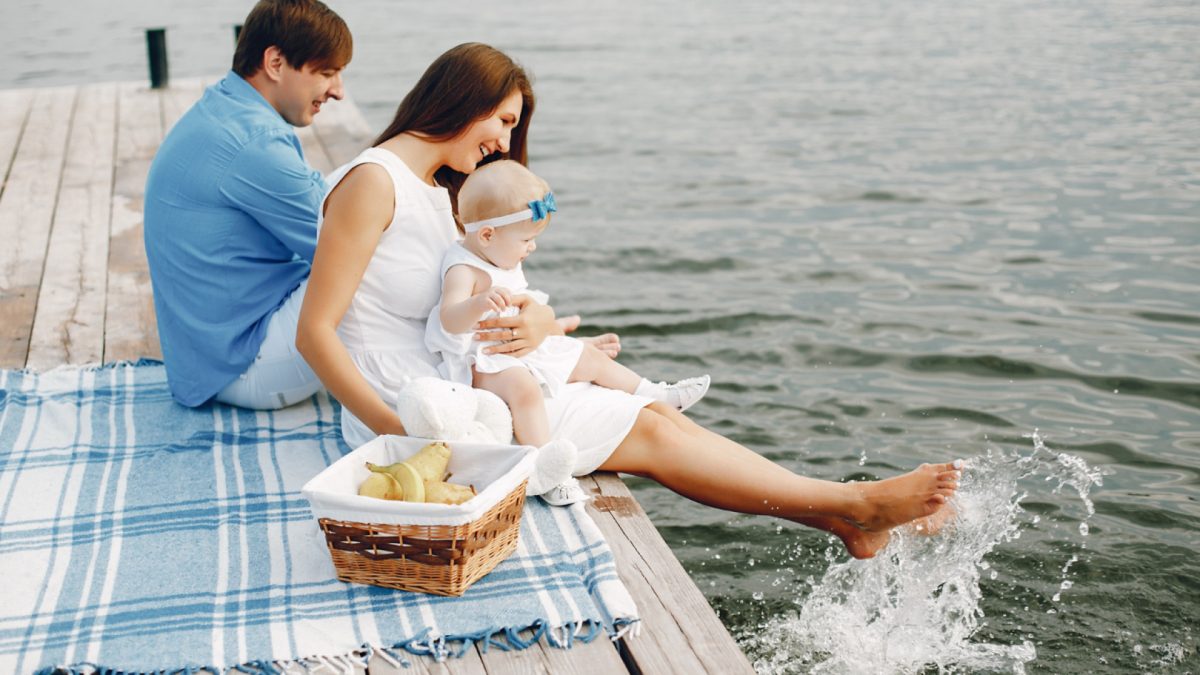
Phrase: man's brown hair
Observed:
(305, 31)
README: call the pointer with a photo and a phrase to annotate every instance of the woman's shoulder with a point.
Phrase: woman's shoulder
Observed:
(363, 183)
(369, 168)
(360, 195)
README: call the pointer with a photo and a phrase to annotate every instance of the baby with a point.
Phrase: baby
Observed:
(504, 207)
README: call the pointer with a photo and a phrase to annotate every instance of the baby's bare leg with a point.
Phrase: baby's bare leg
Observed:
(594, 366)
(520, 390)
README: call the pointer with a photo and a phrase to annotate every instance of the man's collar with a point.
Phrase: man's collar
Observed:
(235, 85)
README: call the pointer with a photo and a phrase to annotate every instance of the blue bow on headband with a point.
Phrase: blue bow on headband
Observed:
(543, 207)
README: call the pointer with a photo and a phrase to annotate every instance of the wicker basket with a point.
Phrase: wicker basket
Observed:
(430, 548)
(438, 559)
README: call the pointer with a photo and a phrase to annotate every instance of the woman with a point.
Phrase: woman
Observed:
(388, 220)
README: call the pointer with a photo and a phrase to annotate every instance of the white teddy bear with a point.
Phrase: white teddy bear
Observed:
(438, 409)
(430, 407)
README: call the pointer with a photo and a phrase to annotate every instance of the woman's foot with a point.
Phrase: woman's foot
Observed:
(931, 525)
(681, 395)
(862, 544)
(919, 493)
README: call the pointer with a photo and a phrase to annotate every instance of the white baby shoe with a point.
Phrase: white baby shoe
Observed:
(681, 395)
(555, 462)
(565, 494)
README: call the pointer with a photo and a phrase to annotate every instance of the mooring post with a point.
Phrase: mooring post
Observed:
(156, 46)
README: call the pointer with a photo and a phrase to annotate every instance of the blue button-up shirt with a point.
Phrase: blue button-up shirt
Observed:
(230, 229)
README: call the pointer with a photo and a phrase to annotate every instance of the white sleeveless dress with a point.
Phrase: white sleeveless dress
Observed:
(550, 364)
(384, 327)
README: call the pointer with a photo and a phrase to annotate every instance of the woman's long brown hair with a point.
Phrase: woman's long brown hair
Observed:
(467, 83)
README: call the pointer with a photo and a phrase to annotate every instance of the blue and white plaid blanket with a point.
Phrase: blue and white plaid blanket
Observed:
(139, 535)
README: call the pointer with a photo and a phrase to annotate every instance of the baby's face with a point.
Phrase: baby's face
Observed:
(512, 244)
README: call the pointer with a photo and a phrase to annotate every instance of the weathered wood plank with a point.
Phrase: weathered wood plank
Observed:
(468, 664)
(14, 109)
(68, 327)
(597, 656)
(342, 130)
(130, 331)
(680, 631)
(26, 214)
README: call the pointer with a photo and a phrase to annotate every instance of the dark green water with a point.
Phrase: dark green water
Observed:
(893, 233)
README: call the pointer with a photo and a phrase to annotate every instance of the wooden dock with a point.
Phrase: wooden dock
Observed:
(74, 289)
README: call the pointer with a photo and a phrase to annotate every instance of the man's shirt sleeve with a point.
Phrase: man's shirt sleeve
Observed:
(270, 181)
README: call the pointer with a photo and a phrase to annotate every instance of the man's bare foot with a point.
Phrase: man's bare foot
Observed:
(608, 344)
(895, 501)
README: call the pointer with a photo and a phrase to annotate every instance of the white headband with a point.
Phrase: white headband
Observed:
(538, 209)
(499, 221)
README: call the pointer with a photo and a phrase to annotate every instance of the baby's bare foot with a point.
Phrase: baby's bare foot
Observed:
(569, 323)
(895, 501)
(609, 344)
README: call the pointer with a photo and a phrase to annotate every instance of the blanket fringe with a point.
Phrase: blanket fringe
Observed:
(626, 628)
(135, 363)
(437, 647)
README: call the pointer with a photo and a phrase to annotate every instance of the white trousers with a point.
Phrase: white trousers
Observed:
(279, 376)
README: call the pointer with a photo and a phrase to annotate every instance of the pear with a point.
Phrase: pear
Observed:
(411, 486)
(389, 469)
(447, 493)
(410, 480)
(431, 461)
(381, 486)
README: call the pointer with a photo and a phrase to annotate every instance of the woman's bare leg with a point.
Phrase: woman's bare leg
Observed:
(713, 470)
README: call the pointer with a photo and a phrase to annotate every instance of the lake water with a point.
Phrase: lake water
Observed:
(893, 233)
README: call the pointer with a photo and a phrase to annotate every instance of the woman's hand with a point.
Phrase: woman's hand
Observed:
(520, 334)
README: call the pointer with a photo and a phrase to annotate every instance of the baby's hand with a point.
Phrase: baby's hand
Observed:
(495, 299)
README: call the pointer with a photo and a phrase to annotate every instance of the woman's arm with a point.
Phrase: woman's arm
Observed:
(522, 333)
(356, 214)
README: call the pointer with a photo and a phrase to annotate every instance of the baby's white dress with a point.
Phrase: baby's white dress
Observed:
(551, 363)
(384, 327)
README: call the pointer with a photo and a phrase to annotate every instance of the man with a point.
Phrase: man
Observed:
(231, 213)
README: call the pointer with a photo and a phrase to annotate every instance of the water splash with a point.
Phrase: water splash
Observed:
(917, 604)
